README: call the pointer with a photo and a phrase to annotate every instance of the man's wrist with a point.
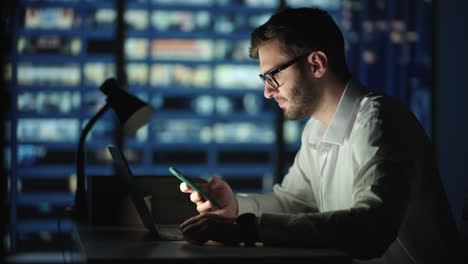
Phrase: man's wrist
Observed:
(248, 228)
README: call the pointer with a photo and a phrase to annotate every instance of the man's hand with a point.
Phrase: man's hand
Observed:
(220, 191)
(209, 226)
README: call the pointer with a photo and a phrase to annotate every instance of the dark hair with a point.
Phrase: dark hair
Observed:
(303, 30)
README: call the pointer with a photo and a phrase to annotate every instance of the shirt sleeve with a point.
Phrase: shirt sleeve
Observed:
(292, 196)
(381, 190)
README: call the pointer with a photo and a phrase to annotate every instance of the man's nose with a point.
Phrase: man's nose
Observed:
(269, 91)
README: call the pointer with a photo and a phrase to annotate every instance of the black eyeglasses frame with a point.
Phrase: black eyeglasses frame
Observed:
(269, 76)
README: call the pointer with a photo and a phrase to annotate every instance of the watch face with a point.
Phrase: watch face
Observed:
(248, 228)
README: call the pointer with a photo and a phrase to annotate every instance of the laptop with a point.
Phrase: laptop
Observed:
(125, 176)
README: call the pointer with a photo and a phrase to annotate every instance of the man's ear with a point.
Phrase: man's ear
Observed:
(319, 63)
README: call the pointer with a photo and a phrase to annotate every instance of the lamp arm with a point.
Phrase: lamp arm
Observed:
(81, 188)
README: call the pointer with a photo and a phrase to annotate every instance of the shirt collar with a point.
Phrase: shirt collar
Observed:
(340, 125)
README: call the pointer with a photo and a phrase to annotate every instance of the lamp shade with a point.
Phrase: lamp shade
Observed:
(131, 111)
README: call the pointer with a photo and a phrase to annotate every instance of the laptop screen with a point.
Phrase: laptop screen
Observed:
(125, 176)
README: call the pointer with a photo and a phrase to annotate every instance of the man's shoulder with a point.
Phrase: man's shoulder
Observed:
(382, 116)
(377, 106)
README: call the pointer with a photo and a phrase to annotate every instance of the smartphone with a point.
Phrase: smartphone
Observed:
(205, 196)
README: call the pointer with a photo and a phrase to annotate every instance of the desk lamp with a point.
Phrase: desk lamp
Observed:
(132, 114)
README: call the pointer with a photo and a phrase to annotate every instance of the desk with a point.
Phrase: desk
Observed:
(130, 245)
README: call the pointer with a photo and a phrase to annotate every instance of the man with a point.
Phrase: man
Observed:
(364, 179)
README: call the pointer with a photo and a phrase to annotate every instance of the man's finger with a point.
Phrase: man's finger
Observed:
(205, 207)
(192, 221)
(185, 188)
(191, 227)
(186, 223)
(195, 197)
(195, 227)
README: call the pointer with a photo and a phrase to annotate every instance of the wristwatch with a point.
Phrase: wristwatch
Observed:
(248, 228)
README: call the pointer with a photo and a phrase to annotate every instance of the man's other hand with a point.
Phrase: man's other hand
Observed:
(209, 226)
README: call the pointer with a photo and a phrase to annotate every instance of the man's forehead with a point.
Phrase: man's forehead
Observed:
(270, 55)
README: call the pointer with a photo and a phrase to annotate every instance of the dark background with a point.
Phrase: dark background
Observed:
(450, 100)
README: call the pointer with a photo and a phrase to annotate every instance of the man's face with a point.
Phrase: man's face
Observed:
(298, 93)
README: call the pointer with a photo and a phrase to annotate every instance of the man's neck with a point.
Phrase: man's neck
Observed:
(333, 91)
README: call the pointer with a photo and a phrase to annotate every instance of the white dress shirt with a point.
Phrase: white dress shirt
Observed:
(367, 184)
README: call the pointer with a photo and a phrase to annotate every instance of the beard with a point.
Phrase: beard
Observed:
(304, 99)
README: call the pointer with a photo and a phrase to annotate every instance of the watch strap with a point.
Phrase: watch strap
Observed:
(248, 228)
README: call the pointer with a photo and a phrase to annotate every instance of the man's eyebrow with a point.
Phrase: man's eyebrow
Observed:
(271, 69)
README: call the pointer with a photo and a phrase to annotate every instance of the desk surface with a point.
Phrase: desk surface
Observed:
(126, 245)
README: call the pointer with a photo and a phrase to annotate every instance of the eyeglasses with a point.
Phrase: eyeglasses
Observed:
(269, 76)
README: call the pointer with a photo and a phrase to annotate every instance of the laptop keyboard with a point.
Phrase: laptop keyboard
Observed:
(170, 232)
